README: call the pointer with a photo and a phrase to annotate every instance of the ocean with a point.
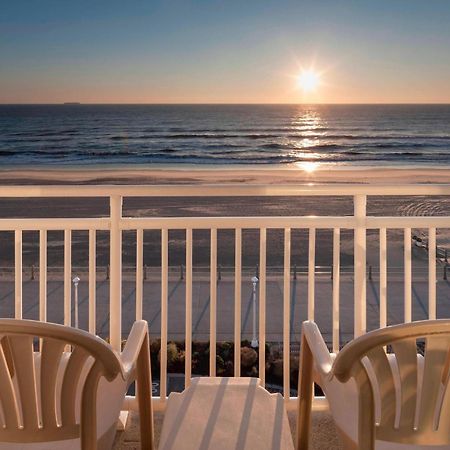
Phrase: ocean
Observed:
(64, 135)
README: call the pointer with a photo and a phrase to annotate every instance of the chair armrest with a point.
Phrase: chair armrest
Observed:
(136, 365)
(322, 357)
(133, 346)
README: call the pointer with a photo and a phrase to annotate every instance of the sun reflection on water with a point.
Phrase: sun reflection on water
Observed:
(308, 127)
(308, 166)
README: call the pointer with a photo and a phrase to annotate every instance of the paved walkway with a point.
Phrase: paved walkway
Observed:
(225, 305)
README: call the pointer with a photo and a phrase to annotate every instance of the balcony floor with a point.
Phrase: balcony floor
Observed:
(324, 436)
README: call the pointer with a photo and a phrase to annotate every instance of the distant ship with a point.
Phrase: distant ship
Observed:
(72, 103)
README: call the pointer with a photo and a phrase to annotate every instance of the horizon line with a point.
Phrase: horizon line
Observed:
(75, 103)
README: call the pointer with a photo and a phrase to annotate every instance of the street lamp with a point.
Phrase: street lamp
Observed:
(75, 281)
(254, 343)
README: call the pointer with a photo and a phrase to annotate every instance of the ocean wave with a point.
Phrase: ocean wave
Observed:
(402, 140)
(216, 134)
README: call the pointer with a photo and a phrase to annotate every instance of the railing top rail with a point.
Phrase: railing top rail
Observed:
(223, 190)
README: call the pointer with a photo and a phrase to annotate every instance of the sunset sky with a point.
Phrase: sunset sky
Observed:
(210, 51)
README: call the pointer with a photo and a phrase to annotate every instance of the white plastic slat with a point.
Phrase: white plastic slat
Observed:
(286, 313)
(407, 275)
(18, 274)
(188, 339)
(8, 397)
(262, 304)
(115, 282)
(360, 257)
(336, 286)
(432, 273)
(213, 304)
(164, 305)
(139, 272)
(51, 353)
(92, 281)
(67, 277)
(43, 276)
(25, 376)
(311, 272)
(237, 300)
(383, 278)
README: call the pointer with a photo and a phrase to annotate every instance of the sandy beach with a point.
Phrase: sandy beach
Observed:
(167, 174)
(189, 207)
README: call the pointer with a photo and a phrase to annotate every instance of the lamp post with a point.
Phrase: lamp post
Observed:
(254, 343)
(75, 281)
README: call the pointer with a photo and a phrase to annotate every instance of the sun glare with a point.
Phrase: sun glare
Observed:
(308, 80)
(308, 166)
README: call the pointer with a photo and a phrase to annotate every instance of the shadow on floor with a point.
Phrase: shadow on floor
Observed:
(324, 436)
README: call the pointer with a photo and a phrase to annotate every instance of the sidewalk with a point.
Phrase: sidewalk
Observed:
(225, 305)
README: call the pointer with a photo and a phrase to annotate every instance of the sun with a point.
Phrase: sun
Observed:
(308, 80)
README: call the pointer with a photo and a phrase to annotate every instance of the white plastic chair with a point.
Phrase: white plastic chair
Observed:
(63, 388)
(382, 393)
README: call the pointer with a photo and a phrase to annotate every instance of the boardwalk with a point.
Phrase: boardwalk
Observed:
(225, 305)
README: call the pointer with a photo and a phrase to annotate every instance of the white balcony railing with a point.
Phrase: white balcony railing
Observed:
(116, 224)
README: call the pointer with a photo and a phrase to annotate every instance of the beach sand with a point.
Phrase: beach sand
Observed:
(224, 206)
(168, 174)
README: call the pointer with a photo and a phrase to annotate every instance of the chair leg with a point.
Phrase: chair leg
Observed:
(305, 395)
(144, 394)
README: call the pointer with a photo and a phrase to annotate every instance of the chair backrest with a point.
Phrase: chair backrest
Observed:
(38, 401)
(403, 397)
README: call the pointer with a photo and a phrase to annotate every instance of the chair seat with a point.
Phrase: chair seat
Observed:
(225, 413)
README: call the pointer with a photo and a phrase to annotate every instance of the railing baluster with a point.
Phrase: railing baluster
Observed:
(383, 278)
(115, 224)
(213, 304)
(115, 283)
(262, 304)
(67, 277)
(336, 286)
(92, 281)
(432, 273)
(18, 274)
(311, 271)
(286, 313)
(407, 275)
(139, 272)
(43, 275)
(237, 300)
(359, 203)
(188, 339)
(164, 302)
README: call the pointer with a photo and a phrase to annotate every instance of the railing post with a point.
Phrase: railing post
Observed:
(115, 284)
(181, 272)
(359, 203)
(145, 272)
